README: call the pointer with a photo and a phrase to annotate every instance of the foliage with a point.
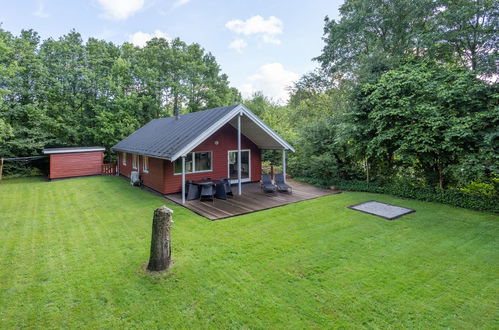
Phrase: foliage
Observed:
(425, 115)
(320, 153)
(482, 199)
(68, 92)
(488, 189)
(405, 92)
(376, 33)
(81, 246)
(379, 34)
(468, 29)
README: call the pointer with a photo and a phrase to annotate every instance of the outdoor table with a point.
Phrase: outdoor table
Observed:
(216, 184)
(207, 182)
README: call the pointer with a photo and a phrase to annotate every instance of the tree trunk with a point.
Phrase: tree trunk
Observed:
(160, 241)
(367, 170)
(440, 177)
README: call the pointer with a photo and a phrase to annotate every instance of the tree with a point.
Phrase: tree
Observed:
(468, 29)
(428, 115)
(376, 33)
(184, 75)
(68, 92)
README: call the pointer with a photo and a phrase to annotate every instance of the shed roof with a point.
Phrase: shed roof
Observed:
(170, 138)
(69, 150)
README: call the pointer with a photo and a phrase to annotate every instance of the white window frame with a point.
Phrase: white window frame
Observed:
(249, 165)
(145, 164)
(134, 161)
(194, 163)
(123, 158)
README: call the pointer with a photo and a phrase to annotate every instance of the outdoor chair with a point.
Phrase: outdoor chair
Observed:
(281, 184)
(220, 191)
(187, 185)
(207, 191)
(192, 192)
(227, 186)
(266, 185)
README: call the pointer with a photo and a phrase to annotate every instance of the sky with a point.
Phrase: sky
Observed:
(262, 45)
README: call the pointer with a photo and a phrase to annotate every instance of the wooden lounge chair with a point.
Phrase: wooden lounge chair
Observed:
(281, 185)
(266, 185)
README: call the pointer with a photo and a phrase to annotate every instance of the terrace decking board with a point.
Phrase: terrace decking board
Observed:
(251, 200)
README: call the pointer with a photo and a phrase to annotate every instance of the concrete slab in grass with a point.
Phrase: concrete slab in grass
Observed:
(387, 211)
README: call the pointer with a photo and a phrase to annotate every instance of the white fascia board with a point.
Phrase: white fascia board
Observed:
(206, 134)
(239, 110)
(72, 151)
(267, 129)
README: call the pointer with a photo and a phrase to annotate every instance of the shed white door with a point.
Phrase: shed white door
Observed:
(245, 166)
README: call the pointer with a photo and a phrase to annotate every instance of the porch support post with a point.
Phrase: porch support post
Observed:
(239, 154)
(183, 179)
(284, 164)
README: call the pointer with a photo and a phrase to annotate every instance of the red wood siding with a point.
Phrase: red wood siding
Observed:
(125, 170)
(153, 179)
(227, 140)
(75, 164)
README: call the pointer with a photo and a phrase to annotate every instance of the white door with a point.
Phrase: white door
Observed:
(245, 166)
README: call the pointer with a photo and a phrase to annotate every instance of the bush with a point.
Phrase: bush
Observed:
(429, 194)
(480, 189)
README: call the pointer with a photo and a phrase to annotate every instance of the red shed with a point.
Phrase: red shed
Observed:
(73, 162)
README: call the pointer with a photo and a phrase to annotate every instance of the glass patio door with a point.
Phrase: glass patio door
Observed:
(245, 166)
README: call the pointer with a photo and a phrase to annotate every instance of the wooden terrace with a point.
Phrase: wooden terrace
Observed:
(252, 199)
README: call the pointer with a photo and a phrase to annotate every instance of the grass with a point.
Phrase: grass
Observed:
(73, 253)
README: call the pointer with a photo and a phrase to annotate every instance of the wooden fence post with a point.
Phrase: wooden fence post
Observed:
(160, 241)
(1, 168)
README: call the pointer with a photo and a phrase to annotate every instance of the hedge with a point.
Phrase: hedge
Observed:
(429, 194)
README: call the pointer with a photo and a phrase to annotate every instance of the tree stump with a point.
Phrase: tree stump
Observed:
(160, 241)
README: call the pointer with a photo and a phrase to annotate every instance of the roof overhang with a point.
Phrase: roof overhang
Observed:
(128, 151)
(49, 151)
(251, 127)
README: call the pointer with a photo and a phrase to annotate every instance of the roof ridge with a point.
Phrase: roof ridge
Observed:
(200, 111)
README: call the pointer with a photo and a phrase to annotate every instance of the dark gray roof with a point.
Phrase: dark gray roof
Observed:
(71, 150)
(164, 137)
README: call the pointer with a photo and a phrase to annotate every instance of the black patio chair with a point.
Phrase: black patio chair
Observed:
(192, 192)
(266, 185)
(228, 188)
(187, 185)
(207, 191)
(220, 190)
(281, 185)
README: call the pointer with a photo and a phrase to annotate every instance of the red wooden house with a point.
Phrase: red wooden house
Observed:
(168, 151)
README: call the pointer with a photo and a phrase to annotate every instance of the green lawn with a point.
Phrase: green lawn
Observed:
(72, 254)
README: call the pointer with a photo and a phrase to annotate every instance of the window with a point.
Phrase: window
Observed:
(123, 158)
(145, 164)
(134, 161)
(194, 162)
(202, 161)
